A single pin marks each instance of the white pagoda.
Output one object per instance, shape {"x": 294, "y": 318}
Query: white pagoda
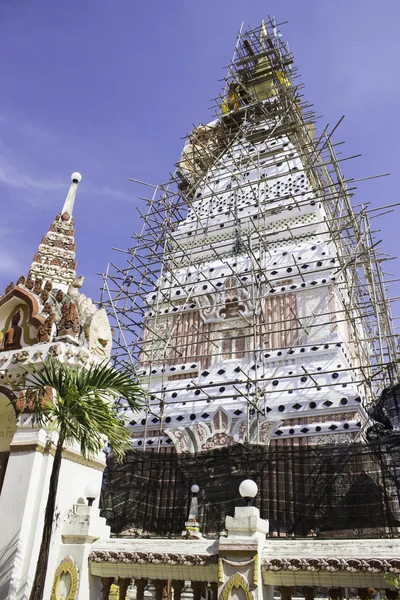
{"x": 253, "y": 304}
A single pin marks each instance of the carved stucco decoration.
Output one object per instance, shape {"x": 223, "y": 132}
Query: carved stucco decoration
{"x": 155, "y": 333}
{"x": 47, "y": 330}
{"x": 253, "y": 562}
{"x": 22, "y": 356}
{"x": 218, "y": 440}
{"x": 168, "y": 558}
{"x": 69, "y": 322}
{"x": 182, "y": 439}
{"x": 99, "y": 335}
{"x": 55, "y": 350}
{"x": 236, "y": 581}
{"x": 231, "y": 302}
{"x": 220, "y": 431}
{"x": 351, "y": 565}
{"x": 66, "y": 580}
{"x": 83, "y": 356}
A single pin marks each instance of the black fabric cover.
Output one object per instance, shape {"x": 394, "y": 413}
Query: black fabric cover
{"x": 328, "y": 489}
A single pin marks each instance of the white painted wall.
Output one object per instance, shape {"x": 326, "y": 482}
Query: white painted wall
{"x": 22, "y": 505}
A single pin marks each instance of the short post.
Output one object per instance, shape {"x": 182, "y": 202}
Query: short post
{"x": 246, "y": 537}
{"x": 192, "y": 525}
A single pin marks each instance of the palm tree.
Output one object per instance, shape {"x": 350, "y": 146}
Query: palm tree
{"x": 81, "y": 409}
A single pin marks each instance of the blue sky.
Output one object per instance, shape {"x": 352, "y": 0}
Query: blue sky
{"x": 109, "y": 88}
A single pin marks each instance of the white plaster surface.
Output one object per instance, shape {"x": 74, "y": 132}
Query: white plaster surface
{"x": 22, "y": 504}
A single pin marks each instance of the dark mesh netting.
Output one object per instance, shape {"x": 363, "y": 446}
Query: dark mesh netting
{"x": 326, "y": 489}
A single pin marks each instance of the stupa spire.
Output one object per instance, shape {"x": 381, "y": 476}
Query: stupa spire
{"x": 55, "y": 259}
{"x": 70, "y": 199}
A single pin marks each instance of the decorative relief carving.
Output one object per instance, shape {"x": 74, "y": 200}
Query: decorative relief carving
{"x": 266, "y": 430}
{"x": 330, "y": 438}
{"x": 69, "y": 322}
{"x": 83, "y": 356}
{"x": 313, "y": 302}
{"x": 26, "y": 399}
{"x": 66, "y": 580}
{"x": 253, "y": 562}
{"x": 234, "y": 299}
{"x": 236, "y": 581}
{"x": 21, "y": 280}
{"x": 69, "y": 353}
{"x": 9, "y": 288}
{"x": 181, "y": 439}
{"x": 153, "y": 558}
{"x": 47, "y": 308}
{"x": 352, "y": 565}
{"x": 20, "y": 356}
{"x": 55, "y": 350}
{"x": 98, "y": 333}
{"x": 202, "y": 431}
{"x": 37, "y": 288}
{"x": 217, "y": 440}
{"x": 46, "y": 329}
{"x": 29, "y": 283}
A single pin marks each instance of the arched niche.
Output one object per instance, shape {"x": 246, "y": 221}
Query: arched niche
{"x": 26, "y": 304}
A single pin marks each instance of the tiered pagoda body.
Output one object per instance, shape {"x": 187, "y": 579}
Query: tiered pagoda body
{"x": 253, "y": 281}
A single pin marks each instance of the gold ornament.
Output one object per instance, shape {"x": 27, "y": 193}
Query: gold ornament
{"x": 66, "y": 580}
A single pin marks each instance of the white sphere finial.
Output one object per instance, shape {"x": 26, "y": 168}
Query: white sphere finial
{"x": 91, "y": 493}
{"x": 76, "y": 177}
{"x": 248, "y": 489}
{"x": 195, "y": 489}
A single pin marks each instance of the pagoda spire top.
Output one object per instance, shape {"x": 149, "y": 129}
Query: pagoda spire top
{"x": 54, "y": 260}
{"x": 70, "y": 199}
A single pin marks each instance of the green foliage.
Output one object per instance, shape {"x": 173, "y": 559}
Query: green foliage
{"x": 81, "y": 406}
{"x": 393, "y": 580}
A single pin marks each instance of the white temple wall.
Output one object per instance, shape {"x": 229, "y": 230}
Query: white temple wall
{"x": 23, "y": 498}
{"x": 74, "y": 477}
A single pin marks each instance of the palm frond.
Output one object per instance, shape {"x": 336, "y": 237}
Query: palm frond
{"x": 82, "y": 403}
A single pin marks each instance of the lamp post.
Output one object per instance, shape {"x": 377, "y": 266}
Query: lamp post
{"x": 248, "y": 490}
{"x": 91, "y": 494}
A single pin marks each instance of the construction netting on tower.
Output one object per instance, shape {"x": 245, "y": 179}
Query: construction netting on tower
{"x": 327, "y": 490}
{"x": 252, "y": 304}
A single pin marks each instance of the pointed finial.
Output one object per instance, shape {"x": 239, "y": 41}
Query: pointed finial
{"x": 192, "y": 526}
{"x": 70, "y": 199}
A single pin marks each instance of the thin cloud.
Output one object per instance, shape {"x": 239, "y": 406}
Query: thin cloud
{"x": 9, "y": 264}
{"x": 16, "y": 178}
